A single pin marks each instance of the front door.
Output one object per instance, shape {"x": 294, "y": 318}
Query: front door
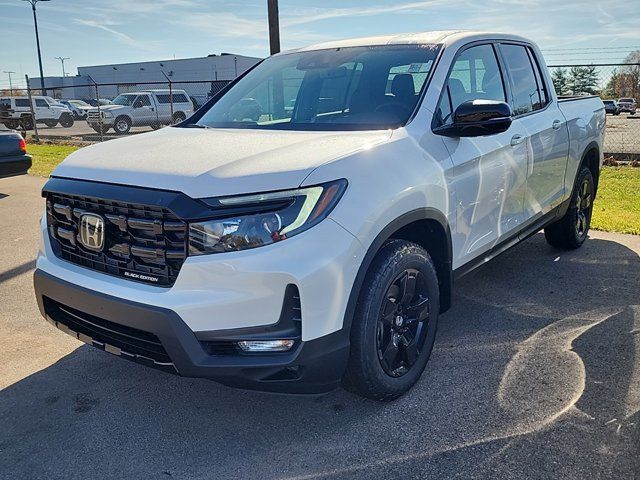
{"x": 144, "y": 112}
{"x": 489, "y": 173}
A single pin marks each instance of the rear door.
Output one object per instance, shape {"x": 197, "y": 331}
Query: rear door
{"x": 163, "y": 104}
{"x": 489, "y": 174}
{"x": 546, "y": 134}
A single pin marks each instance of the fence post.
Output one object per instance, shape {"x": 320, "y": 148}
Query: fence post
{"x": 170, "y": 95}
{"x": 99, "y": 111}
{"x": 33, "y": 113}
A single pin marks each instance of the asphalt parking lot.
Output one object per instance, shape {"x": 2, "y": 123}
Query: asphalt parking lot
{"x": 535, "y": 374}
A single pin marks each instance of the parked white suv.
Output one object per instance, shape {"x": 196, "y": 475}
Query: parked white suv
{"x": 151, "y": 108}
{"x": 318, "y": 241}
{"x": 46, "y": 109}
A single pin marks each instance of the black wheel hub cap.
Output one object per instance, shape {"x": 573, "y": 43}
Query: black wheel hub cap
{"x": 583, "y": 206}
{"x": 402, "y": 323}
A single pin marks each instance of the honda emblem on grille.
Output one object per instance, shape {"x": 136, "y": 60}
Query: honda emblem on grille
{"x": 91, "y": 230}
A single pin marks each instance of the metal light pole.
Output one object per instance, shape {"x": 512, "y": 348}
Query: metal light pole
{"x": 62, "y": 59}
{"x": 274, "y": 26}
{"x": 10, "y": 84}
{"x": 35, "y": 23}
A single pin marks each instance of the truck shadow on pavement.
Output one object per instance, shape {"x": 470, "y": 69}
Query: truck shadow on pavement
{"x": 536, "y": 374}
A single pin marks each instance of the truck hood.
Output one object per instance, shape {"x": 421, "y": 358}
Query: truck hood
{"x": 106, "y": 107}
{"x": 214, "y": 162}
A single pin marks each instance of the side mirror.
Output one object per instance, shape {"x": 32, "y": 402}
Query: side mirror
{"x": 478, "y": 118}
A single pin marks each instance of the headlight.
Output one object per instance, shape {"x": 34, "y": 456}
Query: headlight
{"x": 107, "y": 114}
{"x": 249, "y": 221}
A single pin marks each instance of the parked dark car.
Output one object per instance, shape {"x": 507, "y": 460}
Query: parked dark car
{"x": 13, "y": 154}
{"x": 612, "y": 107}
{"x": 628, "y": 105}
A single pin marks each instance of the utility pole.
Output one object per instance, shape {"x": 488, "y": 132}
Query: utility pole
{"x": 35, "y": 23}
{"x": 62, "y": 59}
{"x": 10, "y": 84}
{"x": 274, "y": 26}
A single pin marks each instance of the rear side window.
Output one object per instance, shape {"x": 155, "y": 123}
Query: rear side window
{"x": 475, "y": 76}
{"x": 177, "y": 98}
{"x": 527, "y": 97}
{"x": 22, "y": 102}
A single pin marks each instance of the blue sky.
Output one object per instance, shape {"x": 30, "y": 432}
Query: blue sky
{"x": 108, "y": 31}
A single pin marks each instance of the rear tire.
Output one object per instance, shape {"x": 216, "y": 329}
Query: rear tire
{"x": 179, "y": 117}
{"x": 12, "y": 124}
{"x": 395, "y": 322}
{"x": 571, "y": 231}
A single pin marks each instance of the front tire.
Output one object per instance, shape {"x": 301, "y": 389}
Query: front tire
{"x": 395, "y": 322}
{"x": 51, "y": 123}
{"x": 66, "y": 120}
{"x": 122, "y": 125}
{"x": 571, "y": 231}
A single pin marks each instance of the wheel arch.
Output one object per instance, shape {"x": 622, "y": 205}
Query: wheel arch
{"x": 428, "y": 228}
{"x": 591, "y": 160}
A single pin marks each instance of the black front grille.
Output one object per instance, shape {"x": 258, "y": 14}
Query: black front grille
{"x": 122, "y": 340}
{"x": 142, "y": 242}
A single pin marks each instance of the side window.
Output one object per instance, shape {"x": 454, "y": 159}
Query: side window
{"x": 542, "y": 87}
{"x": 144, "y": 100}
{"x": 22, "y": 102}
{"x": 162, "y": 98}
{"x": 475, "y": 75}
{"x": 40, "y": 102}
{"x": 526, "y": 97}
{"x": 180, "y": 98}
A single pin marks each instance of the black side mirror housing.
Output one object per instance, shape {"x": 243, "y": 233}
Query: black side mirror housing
{"x": 477, "y": 118}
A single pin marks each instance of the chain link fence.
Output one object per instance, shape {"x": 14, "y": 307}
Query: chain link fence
{"x": 97, "y": 112}
{"x": 617, "y": 84}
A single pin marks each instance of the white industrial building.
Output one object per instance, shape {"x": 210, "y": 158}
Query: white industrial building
{"x": 209, "y": 73}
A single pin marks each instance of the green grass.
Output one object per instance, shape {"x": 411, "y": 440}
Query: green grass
{"x": 617, "y": 208}
{"x": 47, "y": 157}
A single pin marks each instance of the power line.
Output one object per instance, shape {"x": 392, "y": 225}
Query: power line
{"x": 589, "y": 48}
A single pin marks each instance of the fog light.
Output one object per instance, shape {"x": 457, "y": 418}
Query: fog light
{"x": 266, "y": 345}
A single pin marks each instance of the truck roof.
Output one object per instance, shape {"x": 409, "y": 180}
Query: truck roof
{"x": 444, "y": 37}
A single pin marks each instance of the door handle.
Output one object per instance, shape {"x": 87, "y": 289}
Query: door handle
{"x": 556, "y": 124}
{"x": 516, "y": 140}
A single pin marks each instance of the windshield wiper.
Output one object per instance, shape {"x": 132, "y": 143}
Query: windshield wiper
{"x": 195, "y": 125}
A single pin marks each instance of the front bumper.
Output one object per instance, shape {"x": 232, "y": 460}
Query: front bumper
{"x": 159, "y": 338}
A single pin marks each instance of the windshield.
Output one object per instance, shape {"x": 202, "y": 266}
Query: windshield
{"x": 126, "y": 100}
{"x": 338, "y": 89}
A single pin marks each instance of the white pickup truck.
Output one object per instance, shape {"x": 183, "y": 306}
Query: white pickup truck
{"x": 318, "y": 242}
{"x": 151, "y": 108}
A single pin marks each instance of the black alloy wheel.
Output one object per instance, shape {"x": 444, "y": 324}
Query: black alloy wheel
{"x": 403, "y": 323}
{"x": 583, "y": 207}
